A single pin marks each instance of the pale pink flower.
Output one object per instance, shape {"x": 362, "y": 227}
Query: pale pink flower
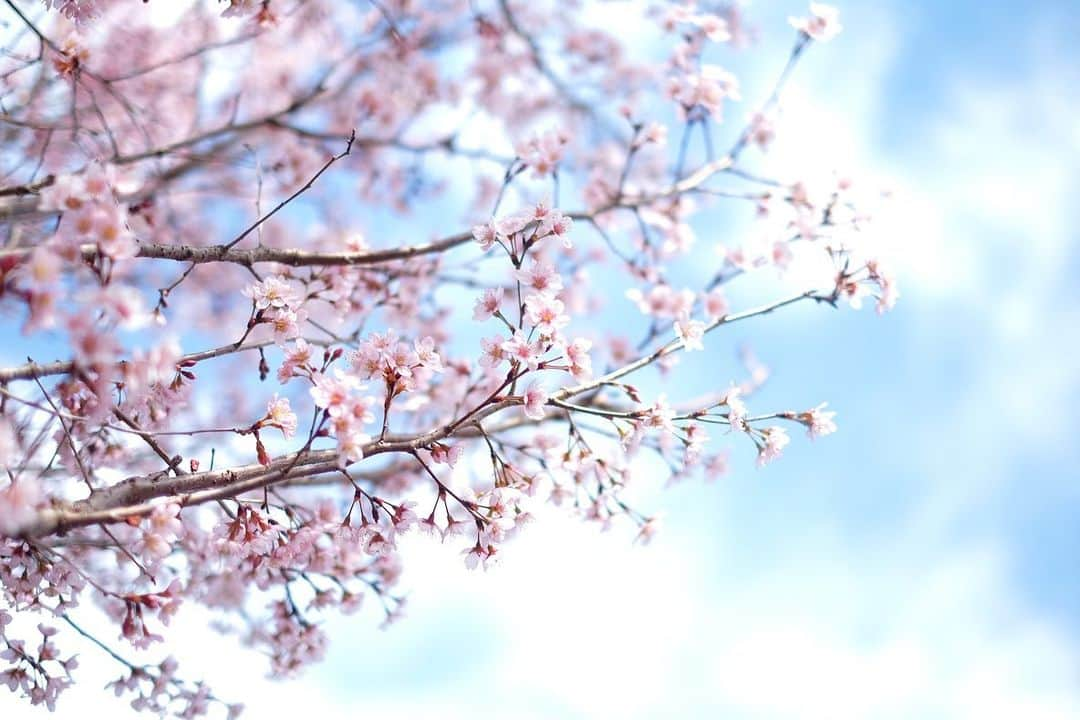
{"x": 708, "y": 88}
{"x": 534, "y": 399}
{"x": 484, "y": 235}
{"x": 156, "y": 366}
{"x": 546, "y": 313}
{"x": 889, "y": 293}
{"x": 360, "y": 409}
{"x": 474, "y": 556}
{"x": 273, "y": 292}
{"x": 18, "y": 502}
{"x": 332, "y": 393}
{"x": 366, "y": 361}
{"x": 298, "y": 356}
{"x": 655, "y": 133}
{"x": 559, "y": 225}
{"x": 98, "y": 181}
{"x": 404, "y": 518}
{"x": 351, "y": 447}
{"x": 401, "y": 360}
{"x": 162, "y": 529}
{"x": 122, "y": 303}
{"x": 68, "y": 192}
{"x": 716, "y": 305}
{"x": 519, "y": 349}
{"x": 493, "y": 352}
{"x": 818, "y": 421}
{"x": 40, "y": 270}
{"x": 736, "y": 408}
{"x": 542, "y": 153}
{"x": 660, "y": 415}
{"x": 887, "y": 298}
{"x": 851, "y": 290}
{"x": 822, "y": 25}
{"x": 511, "y": 224}
{"x": 488, "y": 304}
{"x": 577, "y": 354}
{"x": 446, "y": 454}
{"x": 426, "y": 355}
{"x": 715, "y": 466}
{"x": 714, "y": 27}
{"x": 541, "y": 211}
{"x": 774, "y": 440}
{"x": 762, "y": 130}
{"x": 662, "y": 301}
{"x": 92, "y": 346}
{"x": 285, "y": 322}
{"x": 540, "y": 276}
{"x": 690, "y": 332}
{"x": 280, "y": 415}
{"x": 72, "y": 53}
{"x": 114, "y": 239}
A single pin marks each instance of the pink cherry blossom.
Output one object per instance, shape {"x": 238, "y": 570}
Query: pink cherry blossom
{"x": 577, "y": 354}
{"x": 424, "y": 349}
{"x": 494, "y": 352}
{"x": 273, "y": 292}
{"x": 519, "y": 349}
{"x": 690, "y": 332}
{"x": 163, "y": 527}
{"x": 17, "y": 506}
{"x": 556, "y": 224}
{"x": 488, "y": 304}
{"x": 546, "y": 313}
{"x": 323, "y": 189}
{"x": 774, "y": 440}
{"x": 41, "y": 271}
{"x": 280, "y": 415}
{"x": 484, "y": 235}
{"x": 286, "y": 323}
{"x": 297, "y": 357}
{"x": 540, "y": 276}
{"x": 543, "y": 152}
{"x": 818, "y": 421}
{"x": 715, "y": 304}
{"x": 822, "y": 25}
{"x": 333, "y": 393}
{"x": 534, "y": 400}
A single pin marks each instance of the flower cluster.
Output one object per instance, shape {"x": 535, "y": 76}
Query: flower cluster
{"x": 403, "y": 367}
{"x": 78, "y": 11}
{"x": 92, "y": 214}
{"x": 687, "y": 16}
{"x": 348, "y": 410}
{"x": 706, "y": 88}
{"x": 127, "y": 181}
{"x": 543, "y": 152}
{"x": 279, "y": 304}
{"x": 518, "y": 232}
{"x": 38, "y": 673}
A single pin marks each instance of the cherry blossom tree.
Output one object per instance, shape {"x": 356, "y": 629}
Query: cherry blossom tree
{"x": 293, "y": 278}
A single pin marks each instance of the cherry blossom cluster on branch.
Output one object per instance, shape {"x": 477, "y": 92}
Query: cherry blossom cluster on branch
{"x": 294, "y": 278}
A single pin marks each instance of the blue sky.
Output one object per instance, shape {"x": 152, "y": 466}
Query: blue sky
{"x": 919, "y": 563}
